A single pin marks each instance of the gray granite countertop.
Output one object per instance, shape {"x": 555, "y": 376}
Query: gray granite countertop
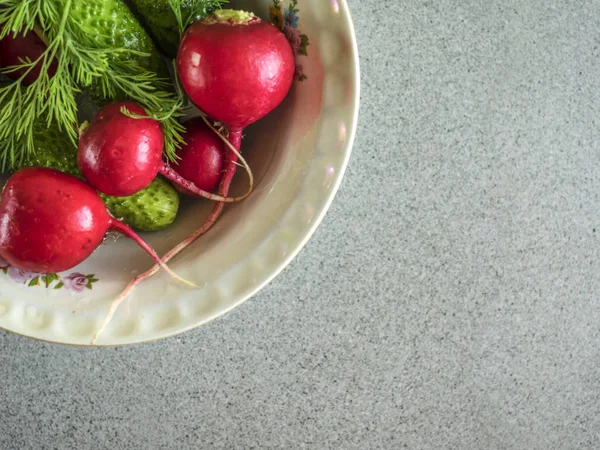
{"x": 450, "y": 300}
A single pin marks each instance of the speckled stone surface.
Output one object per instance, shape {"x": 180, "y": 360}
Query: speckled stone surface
{"x": 450, "y": 300}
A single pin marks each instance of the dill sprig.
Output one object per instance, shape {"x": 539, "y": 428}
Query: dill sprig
{"x": 186, "y": 11}
{"x": 82, "y": 62}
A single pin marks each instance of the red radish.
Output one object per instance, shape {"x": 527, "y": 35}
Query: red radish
{"x": 235, "y": 67}
{"x": 201, "y": 158}
{"x": 120, "y": 155}
{"x": 15, "y": 50}
{"x": 50, "y": 222}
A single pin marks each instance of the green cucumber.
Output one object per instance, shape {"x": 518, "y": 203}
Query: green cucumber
{"x": 117, "y": 27}
{"x": 53, "y": 149}
{"x": 160, "y": 20}
{"x": 151, "y": 209}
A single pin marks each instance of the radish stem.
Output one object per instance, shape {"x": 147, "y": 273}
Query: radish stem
{"x": 168, "y": 172}
{"x": 234, "y": 143}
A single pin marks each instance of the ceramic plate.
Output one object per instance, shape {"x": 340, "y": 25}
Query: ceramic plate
{"x": 298, "y": 153}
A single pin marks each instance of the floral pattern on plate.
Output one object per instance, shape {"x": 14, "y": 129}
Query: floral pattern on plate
{"x": 76, "y": 282}
{"x": 286, "y": 19}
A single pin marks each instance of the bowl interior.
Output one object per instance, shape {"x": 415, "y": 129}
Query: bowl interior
{"x": 298, "y": 154}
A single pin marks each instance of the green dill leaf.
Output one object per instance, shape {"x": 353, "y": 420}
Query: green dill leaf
{"x": 189, "y": 11}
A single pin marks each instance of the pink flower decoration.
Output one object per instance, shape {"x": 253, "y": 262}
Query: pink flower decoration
{"x": 293, "y": 35}
{"x": 3, "y": 263}
{"x": 21, "y": 276}
{"x": 75, "y": 282}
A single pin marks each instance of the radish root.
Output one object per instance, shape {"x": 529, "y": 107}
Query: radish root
{"x": 127, "y": 231}
{"x": 214, "y": 215}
